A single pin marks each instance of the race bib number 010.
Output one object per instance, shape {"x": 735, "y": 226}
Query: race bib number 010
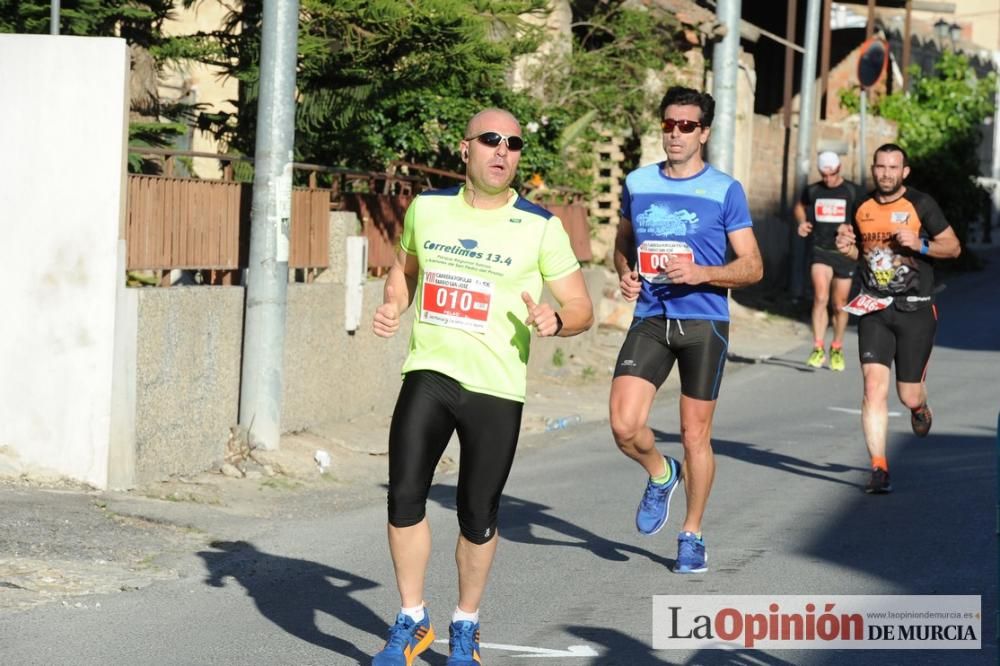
{"x": 863, "y": 304}
{"x": 456, "y": 301}
{"x": 655, "y": 256}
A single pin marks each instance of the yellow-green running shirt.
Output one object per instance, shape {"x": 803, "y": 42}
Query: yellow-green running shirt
{"x": 474, "y": 264}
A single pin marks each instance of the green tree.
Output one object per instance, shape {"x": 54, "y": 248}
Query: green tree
{"x": 939, "y": 121}
{"x": 618, "y": 56}
{"x": 382, "y": 80}
{"x": 615, "y": 73}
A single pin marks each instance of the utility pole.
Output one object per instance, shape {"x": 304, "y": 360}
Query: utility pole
{"x": 994, "y": 217}
{"x": 725, "y": 67}
{"x": 804, "y": 152}
{"x": 786, "y": 105}
{"x": 261, "y": 382}
{"x": 54, "y": 17}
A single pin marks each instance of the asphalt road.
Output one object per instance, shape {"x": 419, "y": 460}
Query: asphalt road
{"x": 573, "y": 581}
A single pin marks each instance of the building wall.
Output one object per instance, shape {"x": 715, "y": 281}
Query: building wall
{"x": 530, "y": 70}
{"x": 61, "y": 206}
{"x": 978, "y": 19}
{"x": 199, "y": 83}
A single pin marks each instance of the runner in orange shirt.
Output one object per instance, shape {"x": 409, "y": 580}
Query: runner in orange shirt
{"x": 896, "y": 231}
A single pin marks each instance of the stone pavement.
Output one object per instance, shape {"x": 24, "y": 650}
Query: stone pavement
{"x": 60, "y": 541}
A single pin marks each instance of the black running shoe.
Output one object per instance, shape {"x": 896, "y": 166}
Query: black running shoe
{"x": 920, "y": 420}
{"x": 878, "y": 484}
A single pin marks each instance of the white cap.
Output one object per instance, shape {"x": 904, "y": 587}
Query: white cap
{"x": 827, "y": 161}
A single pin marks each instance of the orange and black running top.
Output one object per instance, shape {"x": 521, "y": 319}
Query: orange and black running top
{"x": 888, "y": 268}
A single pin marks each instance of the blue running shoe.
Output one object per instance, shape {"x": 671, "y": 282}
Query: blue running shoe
{"x": 407, "y": 639}
{"x": 655, "y": 505}
{"x": 463, "y": 643}
{"x": 691, "y": 556}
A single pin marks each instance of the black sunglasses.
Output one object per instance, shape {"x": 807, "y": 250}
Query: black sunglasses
{"x": 685, "y": 126}
{"x": 494, "y": 139}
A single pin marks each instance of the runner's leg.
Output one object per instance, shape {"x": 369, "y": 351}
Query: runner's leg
{"x": 488, "y": 429}
{"x": 821, "y": 277}
{"x": 841, "y": 292}
{"x": 422, "y": 424}
{"x": 699, "y": 462}
{"x": 914, "y": 344}
{"x": 875, "y": 407}
{"x": 630, "y": 402}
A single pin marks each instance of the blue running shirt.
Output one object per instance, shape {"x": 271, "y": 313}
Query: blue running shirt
{"x": 682, "y": 219}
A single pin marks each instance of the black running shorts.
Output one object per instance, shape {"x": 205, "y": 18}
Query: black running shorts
{"x": 698, "y": 345}
{"x": 430, "y": 408}
{"x": 906, "y": 337}
{"x": 842, "y": 266}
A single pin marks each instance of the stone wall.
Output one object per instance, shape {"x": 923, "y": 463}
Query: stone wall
{"x": 188, "y": 367}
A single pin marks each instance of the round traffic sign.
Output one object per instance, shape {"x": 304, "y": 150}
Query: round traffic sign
{"x": 873, "y": 61}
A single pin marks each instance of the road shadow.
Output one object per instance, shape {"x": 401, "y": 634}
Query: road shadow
{"x": 519, "y": 516}
{"x": 938, "y": 524}
{"x": 291, "y": 592}
{"x": 754, "y": 455}
{"x": 775, "y": 300}
{"x": 969, "y": 297}
{"x": 623, "y": 650}
{"x": 955, "y": 311}
{"x": 936, "y": 533}
{"x": 771, "y": 360}
{"x": 620, "y": 649}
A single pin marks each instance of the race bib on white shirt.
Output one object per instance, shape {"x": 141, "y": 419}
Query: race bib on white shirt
{"x": 655, "y": 256}
{"x": 863, "y": 304}
{"x": 831, "y": 211}
{"x": 456, "y": 301}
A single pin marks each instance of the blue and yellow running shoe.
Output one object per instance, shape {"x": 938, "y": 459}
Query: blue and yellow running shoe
{"x": 654, "y": 507}
{"x": 463, "y": 643}
{"x": 691, "y": 555}
{"x": 407, "y": 639}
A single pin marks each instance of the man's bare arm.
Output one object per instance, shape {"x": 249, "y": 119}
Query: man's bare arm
{"x": 746, "y": 269}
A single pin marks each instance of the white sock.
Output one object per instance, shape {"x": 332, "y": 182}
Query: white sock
{"x": 416, "y": 613}
{"x": 461, "y": 616}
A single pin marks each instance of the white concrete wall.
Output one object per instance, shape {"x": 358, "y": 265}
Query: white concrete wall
{"x": 62, "y": 160}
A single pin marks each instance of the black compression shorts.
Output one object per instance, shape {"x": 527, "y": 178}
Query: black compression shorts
{"x": 906, "y": 337}
{"x": 431, "y": 407}
{"x": 698, "y": 345}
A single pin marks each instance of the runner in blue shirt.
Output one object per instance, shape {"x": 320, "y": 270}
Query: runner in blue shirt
{"x": 670, "y": 253}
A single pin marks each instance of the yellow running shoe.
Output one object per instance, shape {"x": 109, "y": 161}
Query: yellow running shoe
{"x": 837, "y": 359}
{"x": 817, "y": 358}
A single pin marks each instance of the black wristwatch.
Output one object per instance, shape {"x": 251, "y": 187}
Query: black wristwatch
{"x": 559, "y": 323}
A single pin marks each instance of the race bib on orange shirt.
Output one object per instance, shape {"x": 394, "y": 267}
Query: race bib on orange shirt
{"x": 831, "y": 210}
{"x": 456, "y": 301}
{"x": 655, "y": 256}
{"x": 863, "y": 304}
